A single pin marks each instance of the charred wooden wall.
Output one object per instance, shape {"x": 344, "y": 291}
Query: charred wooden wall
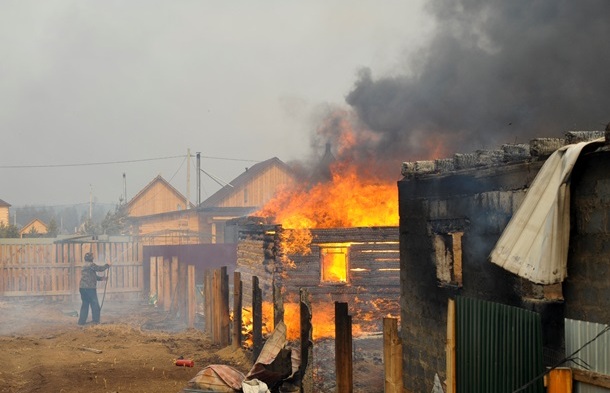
{"x": 373, "y": 285}
{"x": 372, "y": 288}
{"x": 256, "y": 257}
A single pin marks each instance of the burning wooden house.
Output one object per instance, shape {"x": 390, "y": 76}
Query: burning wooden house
{"x": 358, "y": 266}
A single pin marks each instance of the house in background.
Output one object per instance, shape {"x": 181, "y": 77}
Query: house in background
{"x": 4, "y": 212}
{"x": 160, "y": 215}
{"x": 34, "y": 228}
{"x": 243, "y": 195}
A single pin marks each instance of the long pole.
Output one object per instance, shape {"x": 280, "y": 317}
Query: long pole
{"x": 188, "y": 178}
{"x": 198, "y": 178}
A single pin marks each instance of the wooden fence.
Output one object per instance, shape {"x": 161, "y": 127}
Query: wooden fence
{"x": 53, "y": 269}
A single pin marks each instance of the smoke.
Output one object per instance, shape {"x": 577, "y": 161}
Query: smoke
{"x": 494, "y": 72}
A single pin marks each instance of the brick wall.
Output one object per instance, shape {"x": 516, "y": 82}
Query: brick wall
{"x": 587, "y": 288}
{"x": 479, "y": 203}
{"x": 477, "y": 194}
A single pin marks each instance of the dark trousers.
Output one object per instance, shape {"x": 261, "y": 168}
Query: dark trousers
{"x": 89, "y": 298}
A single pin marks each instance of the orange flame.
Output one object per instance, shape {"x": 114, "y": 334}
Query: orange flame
{"x": 349, "y": 200}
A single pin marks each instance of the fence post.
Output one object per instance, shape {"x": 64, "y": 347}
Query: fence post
{"x": 257, "y": 318}
{"x": 224, "y": 317}
{"x": 174, "y": 303}
{"x": 191, "y": 298}
{"x": 183, "y": 292}
{"x": 343, "y": 348}
{"x": 237, "y": 309}
{"x": 306, "y": 367}
{"x": 392, "y": 356}
{"x": 450, "y": 347}
{"x": 153, "y": 278}
{"x": 167, "y": 296}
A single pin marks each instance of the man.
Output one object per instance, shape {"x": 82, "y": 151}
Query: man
{"x": 88, "y": 289}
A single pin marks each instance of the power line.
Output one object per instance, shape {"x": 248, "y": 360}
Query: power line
{"x": 116, "y": 162}
{"x": 86, "y": 163}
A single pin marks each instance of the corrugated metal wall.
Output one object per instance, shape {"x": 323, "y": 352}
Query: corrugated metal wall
{"x": 498, "y": 348}
{"x": 596, "y": 355}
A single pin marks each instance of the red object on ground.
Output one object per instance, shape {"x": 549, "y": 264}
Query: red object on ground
{"x": 185, "y": 363}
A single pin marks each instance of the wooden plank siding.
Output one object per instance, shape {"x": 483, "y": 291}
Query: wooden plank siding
{"x": 259, "y": 190}
{"x": 157, "y": 197}
{"x": 54, "y": 269}
{"x": 372, "y": 289}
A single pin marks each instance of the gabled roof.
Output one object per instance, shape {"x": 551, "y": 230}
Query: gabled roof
{"x": 242, "y": 180}
{"x": 158, "y": 179}
{"x": 26, "y": 228}
{"x": 4, "y": 204}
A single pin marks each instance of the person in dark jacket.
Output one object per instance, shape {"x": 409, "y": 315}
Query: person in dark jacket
{"x": 88, "y": 289}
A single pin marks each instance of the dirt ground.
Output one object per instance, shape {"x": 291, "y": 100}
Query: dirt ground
{"x": 42, "y": 349}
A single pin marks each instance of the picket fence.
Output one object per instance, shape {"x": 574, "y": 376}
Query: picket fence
{"x": 50, "y": 268}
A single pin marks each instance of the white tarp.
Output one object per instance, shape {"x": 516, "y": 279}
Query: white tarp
{"x": 534, "y": 244}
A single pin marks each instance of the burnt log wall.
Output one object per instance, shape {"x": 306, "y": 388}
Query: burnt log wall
{"x": 256, "y": 257}
{"x": 373, "y": 285}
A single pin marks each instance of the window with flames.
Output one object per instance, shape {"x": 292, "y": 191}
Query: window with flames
{"x": 334, "y": 264}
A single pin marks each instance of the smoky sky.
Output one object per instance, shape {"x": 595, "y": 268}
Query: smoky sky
{"x": 494, "y": 72}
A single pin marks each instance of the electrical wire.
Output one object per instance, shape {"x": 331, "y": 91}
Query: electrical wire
{"x": 564, "y": 360}
{"x": 86, "y": 163}
{"x": 116, "y": 162}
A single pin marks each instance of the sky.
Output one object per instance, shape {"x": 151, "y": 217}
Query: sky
{"x": 90, "y": 91}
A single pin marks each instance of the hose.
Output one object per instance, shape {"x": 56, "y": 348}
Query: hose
{"x": 105, "y": 286}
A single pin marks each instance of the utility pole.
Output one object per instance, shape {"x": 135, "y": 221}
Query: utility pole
{"x": 90, "y": 200}
{"x": 124, "y": 188}
{"x": 188, "y": 177}
{"x": 198, "y": 179}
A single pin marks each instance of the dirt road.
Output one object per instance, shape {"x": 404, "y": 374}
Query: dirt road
{"x": 42, "y": 349}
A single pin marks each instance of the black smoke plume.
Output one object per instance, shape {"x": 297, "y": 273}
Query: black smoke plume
{"x": 494, "y": 72}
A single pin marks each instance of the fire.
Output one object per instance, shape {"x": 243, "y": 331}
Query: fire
{"x": 323, "y": 321}
{"x": 348, "y": 200}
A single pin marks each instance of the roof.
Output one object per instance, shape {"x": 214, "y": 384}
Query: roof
{"x": 4, "y": 204}
{"x": 242, "y": 180}
{"x": 26, "y": 228}
{"x": 158, "y": 179}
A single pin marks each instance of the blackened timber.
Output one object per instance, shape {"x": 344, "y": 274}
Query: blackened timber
{"x": 343, "y": 349}
{"x": 257, "y": 318}
{"x": 306, "y": 366}
{"x": 224, "y": 317}
{"x": 237, "y": 309}
{"x": 216, "y": 325}
{"x": 278, "y": 304}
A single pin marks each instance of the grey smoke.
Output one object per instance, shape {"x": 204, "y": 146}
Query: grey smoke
{"x": 494, "y": 72}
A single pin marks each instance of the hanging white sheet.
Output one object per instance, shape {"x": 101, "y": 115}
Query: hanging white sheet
{"x": 534, "y": 244}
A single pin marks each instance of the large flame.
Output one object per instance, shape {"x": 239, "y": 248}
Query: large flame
{"x": 348, "y": 200}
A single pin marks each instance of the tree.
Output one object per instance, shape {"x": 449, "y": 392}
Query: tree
{"x": 115, "y": 223}
{"x": 52, "y": 229}
{"x": 8, "y": 231}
